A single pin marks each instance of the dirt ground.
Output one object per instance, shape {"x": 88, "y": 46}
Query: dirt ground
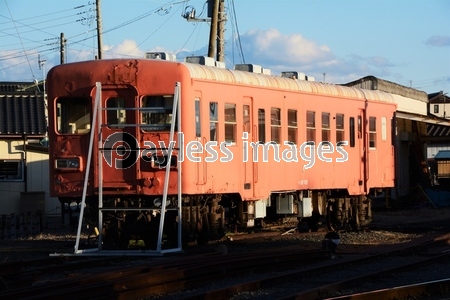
{"x": 411, "y": 216}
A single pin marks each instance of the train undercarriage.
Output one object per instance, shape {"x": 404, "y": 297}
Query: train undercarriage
{"x": 129, "y": 223}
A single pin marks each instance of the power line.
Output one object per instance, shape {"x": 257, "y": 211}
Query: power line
{"x": 31, "y": 69}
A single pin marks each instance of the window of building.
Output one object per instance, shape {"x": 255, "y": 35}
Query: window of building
{"x": 340, "y": 129}
{"x": 292, "y": 126}
{"x": 156, "y": 112}
{"x": 275, "y": 125}
{"x": 311, "y": 126}
{"x": 73, "y": 115}
{"x": 372, "y": 132}
{"x": 261, "y": 125}
{"x": 436, "y": 108}
{"x": 325, "y": 127}
{"x": 213, "y": 120}
{"x": 11, "y": 170}
{"x": 230, "y": 122}
{"x": 198, "y": 129}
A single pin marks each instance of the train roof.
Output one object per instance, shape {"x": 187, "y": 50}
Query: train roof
{"x": 198, "y": 71}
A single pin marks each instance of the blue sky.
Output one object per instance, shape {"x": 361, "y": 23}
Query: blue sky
{"x": 403, "y": 41}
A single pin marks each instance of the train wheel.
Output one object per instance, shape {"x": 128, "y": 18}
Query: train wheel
{"x": 355, "y": 223}
{"x": 331, "y": 218}
{"x": 313, "y": 223}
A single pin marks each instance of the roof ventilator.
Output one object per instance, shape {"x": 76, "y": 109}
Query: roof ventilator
{"x": 252, "y": 68}
{"x": 297, "y": 75}
{"x": 201, "y": 60}
{"x": 161, "y": 55}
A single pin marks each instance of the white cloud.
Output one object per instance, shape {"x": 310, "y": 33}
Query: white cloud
{"x": 126, "y": 48}
{"x": 272, "y": 45}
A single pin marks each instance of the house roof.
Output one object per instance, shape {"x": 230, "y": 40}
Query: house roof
{"x": 22, "y": 113}
{"x": 442, "y": 155}
{"x": 439, "y": 97}
{"x": 374, "y": 83}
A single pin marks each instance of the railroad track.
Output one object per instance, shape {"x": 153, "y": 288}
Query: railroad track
{"x": 198, "y": 276}
{"x": 325, "y": 281}
{"x": 422, "y": 290}
{"x": 163, "y": 277}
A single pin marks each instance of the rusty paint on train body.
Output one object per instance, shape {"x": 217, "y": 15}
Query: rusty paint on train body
{"x": 127, "y": 81}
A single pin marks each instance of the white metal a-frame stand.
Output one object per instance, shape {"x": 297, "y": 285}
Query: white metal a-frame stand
{"x": 176, "y": 112}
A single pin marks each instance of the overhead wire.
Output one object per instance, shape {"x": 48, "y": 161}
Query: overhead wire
{"x": 158, "y": 10}
{"x": 196, "y": 28}
{"x": 241, "y": 52}
{"x": 24, "y": 52}
{"x": 31, "y": 69}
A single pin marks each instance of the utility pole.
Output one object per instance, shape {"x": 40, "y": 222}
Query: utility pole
{"x": 213, "y": 31}
{"x": 42, "y": 67}
{"x": 216, "y": 15}
{"x": 62, "y": 48}
{"x": 99, "y": 29}
{"x": 220, "y": 31}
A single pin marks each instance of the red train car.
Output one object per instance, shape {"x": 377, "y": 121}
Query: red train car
{"x": 247, "y": 149}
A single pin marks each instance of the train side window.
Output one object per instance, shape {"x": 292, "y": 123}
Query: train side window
{"x": 372, "y": 132}
{"x": 311, "y": 126}
{"x": 292, "y": 126}
{"x": 116, "y": 113}
{"x": 383, "y": 129}
{"x": 246, "y": 118}
{"x": 340, "y": 129}
{"x": 73, "y": 115}
{"x": 261, "y": 126}
{"x": 275, "y": 125}
{"x": 198, "y": 131}
{"x": 156, "y": 111}
{"x": 325, "y": 127}
{"x": 359, "y": 127}
{"x": 213, "y": 120}
{"x": 352, "y": 131}
{"x": 230, "y": 122}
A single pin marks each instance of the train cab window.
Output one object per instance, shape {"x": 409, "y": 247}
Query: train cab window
{"x": 116, "y": 113}
{"x": 156, "y": 112}
{"x": 230, "y": 122}
{"x": 352, "y": 131}
{"x": 325, "y": 127}
{"x": 372, "y": 132}
{"x": 311, "y": 126}
{"x": 275, "y": 125}
{"x": 213, "y": 120}
{"x": 340, "y": 130}
{"x": 198, "y": 132}
{"x": 246, "y": 118}
{"x": 73, "y": 115}
{"x": 292, "y": 126}
{"x": 383, "y": 129}
{"x": 261, "y": 125}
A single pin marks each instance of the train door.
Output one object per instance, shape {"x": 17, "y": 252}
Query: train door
{"x": 200, "y": 117}
{"x": 120, "y": 138}
{"x": 248, "y": 136}
{"x": 363, "y": 148}
{"x": 261, "y": 170}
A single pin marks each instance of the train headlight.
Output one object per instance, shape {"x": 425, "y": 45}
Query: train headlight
{"x": 73, "y": 163}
